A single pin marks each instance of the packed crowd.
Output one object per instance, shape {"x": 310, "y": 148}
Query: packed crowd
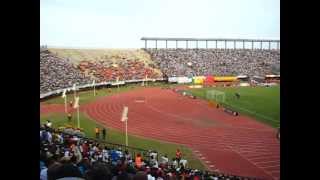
{"x": 191, "y": 62}
{"x": 124, "y": 70}
{"x": 57, "y": 73}
{"x": 66, "y": 156}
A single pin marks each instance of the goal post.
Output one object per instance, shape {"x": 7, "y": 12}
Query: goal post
{"x": 215, "y": 95}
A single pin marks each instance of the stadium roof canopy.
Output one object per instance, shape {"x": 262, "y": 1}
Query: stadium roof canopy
{"x": 206, "y": 39}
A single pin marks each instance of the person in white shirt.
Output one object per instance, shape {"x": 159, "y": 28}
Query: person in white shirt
{"x": 164, "y": 160}
{"x": 49, "y": 123}
{"x": 184, "y": 162}
{"x": 49, "y": 137}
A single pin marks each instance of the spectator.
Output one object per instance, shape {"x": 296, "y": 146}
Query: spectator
{"x": 96, "y": 130}
{"x": 104, "y": 133}
{"x": 69, "y": 117}
{"x": 178, "y": 155}
{"x": 138, "y": 161}
{"x": 99, "y": 171}
{"x": 48, "y": 124}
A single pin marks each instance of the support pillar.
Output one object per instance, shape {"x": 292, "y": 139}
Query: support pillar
{"x": 261, "y": 45}
{"x": 269, "y": 45}
{"x": 145, "y": 44}
{"x": 216, "y": 44}
{"x": 166, "y": 44}
{"x": 206, "y": 44}
{"x": 197, "y": 44}
{"x": 243, "y": 44}
{"x": 176, "y": 44}
{"x": 277, "y": 45}
{"x": 234, "y": 44}
{"x": 187, "y": 44}
{"x": 156, "y": 44}
{"x": 252, "y": 45}
{"x": 225, "y": 44}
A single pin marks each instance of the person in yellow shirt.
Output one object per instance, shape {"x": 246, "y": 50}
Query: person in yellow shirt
{"x": 96, "y": 130}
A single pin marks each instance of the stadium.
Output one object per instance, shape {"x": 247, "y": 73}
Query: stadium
{"x": 218, "y": 104}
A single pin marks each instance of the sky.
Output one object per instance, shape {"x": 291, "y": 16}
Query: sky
{"x": 122, "y": 23}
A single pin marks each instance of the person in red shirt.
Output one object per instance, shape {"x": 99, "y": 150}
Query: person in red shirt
{"x": 138, "y": 161}
{"x": 178, "y": 156}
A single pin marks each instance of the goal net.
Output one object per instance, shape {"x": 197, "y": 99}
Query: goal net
{"x": 215, "y": 95}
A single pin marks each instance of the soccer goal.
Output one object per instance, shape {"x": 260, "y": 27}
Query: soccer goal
{"x": 215, "y": 95}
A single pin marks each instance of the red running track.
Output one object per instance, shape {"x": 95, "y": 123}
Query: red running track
{"x": 231, "y": 144}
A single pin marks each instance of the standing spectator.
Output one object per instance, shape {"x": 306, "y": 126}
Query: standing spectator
{"x": 69, "y": 117}
{"x": 138, "y": 161}
{"x": 71, "y": 104}
{"x": 178, "y": 155}
{"x": 48, "y": 124}
{"x": 104, "y": 133}
{"x": 97, "y": 132}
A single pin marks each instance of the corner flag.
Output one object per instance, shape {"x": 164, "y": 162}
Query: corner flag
{"x": 74, "y": 87}
{"x": 64, "y": 93}
{"x": 124, "y": 114}
{"x": 76, "y": 103}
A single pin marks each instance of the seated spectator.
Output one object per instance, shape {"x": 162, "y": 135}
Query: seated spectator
{"x": 99, "y": 171}
{"x": 138, "y": 161}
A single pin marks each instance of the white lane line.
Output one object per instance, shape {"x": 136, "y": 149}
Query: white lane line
{"x": 270, "y": 166}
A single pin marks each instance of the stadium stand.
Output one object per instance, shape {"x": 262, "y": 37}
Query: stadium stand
{"x": 191, "y": 62}
{"x": 57, "y": 73}
{"x": 125, "y": 70}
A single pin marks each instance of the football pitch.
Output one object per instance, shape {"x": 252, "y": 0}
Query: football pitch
{"x": 262, "y": 103}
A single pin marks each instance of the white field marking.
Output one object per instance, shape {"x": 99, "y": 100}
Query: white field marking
{"x": 184, "y": 118}
{"x": 254, "y": 164}
{"x": 270, "y": 166}
{"x": 259, "y": 167}
{"x": 258, "y": 156}
{"x": 275, "y": 171}
{"x": 267, "y": 162}
{"x": 244, "y": 109}
{"x": 264, "y": 157}
{"x": 255, "y": 113}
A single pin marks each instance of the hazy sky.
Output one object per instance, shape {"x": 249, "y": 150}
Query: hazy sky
{"x": 121, "y": 23}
